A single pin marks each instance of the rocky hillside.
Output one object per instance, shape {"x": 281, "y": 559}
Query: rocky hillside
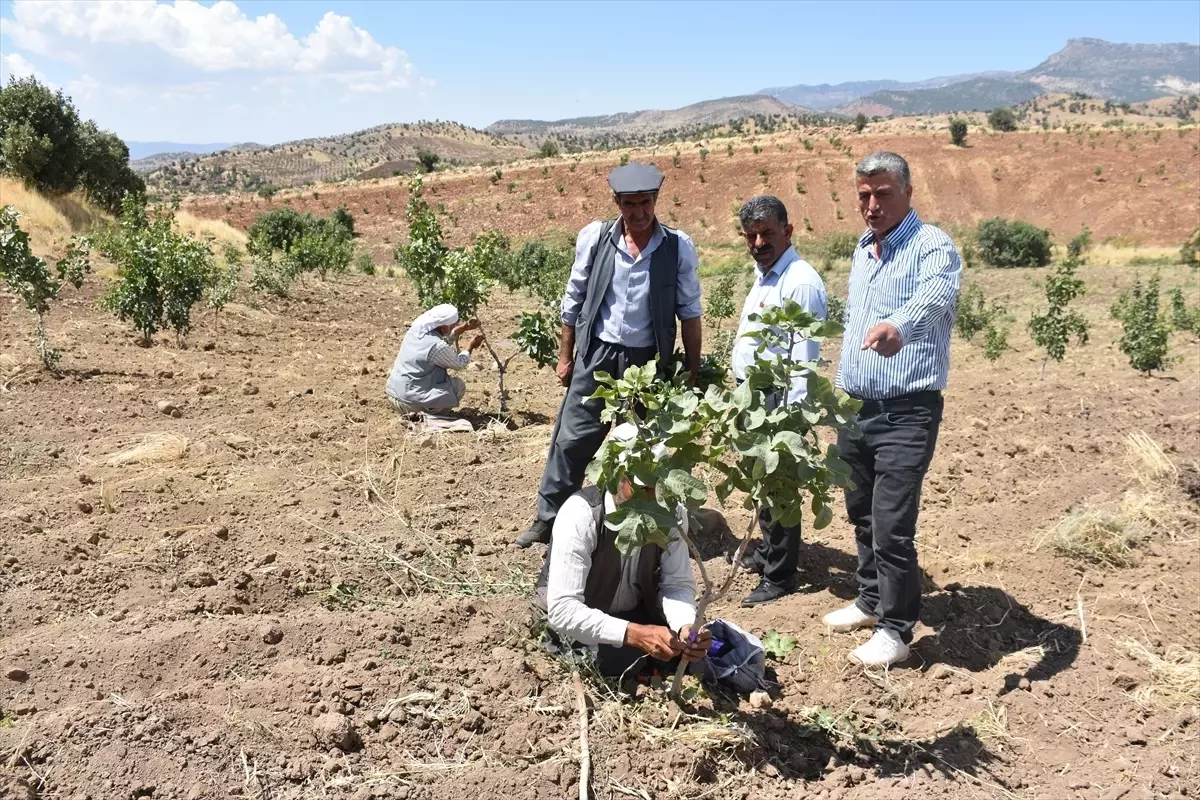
{"x": 382, "y": 151}
{"x": 650, "y": 126}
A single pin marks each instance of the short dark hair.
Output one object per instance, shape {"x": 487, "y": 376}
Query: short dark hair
{"x": 762, "y": 207}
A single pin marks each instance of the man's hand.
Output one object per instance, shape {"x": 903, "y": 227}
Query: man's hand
{"x": 475, "y": 342}
{"x": 565, "y": 368}
{"x": 883, "y": 339}
{"x": 656, "y": 641}
{"x": 471, "y": 325}
{"x": 694, "y": 651}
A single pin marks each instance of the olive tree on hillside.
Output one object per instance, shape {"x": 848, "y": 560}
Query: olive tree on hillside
{"x": 1002, "y": 119}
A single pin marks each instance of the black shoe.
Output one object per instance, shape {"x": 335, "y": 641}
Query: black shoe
{"x": 537, "y": 532}
{"x": 766, "y": 591}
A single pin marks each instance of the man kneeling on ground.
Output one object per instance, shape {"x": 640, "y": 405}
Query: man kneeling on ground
{"x": 623, "y": 608}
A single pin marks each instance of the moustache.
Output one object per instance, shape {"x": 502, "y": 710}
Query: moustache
{"x": 761, "y": 251}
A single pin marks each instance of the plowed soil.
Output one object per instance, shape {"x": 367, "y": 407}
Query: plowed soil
{"x": 282, "y": 592}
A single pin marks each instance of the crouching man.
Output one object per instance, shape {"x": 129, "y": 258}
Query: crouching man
{"x": 624, "y": 608}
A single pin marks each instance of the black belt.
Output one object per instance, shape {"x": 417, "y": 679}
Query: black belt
{"x": 905, "y": 402}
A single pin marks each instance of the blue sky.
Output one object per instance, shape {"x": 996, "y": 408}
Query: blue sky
{"x": 267, "y": 71}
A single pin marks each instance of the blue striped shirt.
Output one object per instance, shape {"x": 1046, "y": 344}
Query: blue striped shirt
{"x": 914, "y": 287}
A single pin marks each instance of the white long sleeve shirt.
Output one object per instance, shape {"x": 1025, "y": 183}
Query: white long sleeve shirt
{"x": 789, "y": 277}
{"x": 575, "y": 537}
{"x": 445, "y": 356}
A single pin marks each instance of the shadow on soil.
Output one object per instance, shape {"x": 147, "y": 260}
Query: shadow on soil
{"x": 976, "y": 627}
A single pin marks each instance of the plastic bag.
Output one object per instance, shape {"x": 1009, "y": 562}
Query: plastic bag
{"x": 736, "y": 658}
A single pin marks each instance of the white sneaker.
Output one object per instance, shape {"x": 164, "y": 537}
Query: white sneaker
{"x": 883, "y": 649}
{"x": 848, "y": 619}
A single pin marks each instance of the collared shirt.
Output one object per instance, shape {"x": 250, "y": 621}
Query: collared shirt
{"x": 913, "y": 287}
{"x": 624, "y": 316}
{"x": 793, "y": 278}
{"x": 443, "y": 355}
{"x": 575, "y": 537}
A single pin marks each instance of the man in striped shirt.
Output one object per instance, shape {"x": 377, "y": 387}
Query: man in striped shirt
{"x": 895, "y": 358}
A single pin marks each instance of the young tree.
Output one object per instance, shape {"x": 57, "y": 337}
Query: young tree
{"x": 771, "y": 454}
{"x": 161, "y": 273}
{"x": 29, "y": 278}
{"x": 1182, "y": 317}
{"x": 860, "y": 122}
{"x": 958, "y": 132}
{"x": 465, "y": 278}
{"x": 1053, "y": 329}
{"x": 719, "y": 308}
{"x": 1146, "y": 337}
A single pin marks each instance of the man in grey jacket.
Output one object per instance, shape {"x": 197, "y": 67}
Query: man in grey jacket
{"x": 632, "y": 278}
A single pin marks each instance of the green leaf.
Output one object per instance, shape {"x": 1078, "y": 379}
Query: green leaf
{"x": 778, "y": 646}
{"x": 681, "y": 484}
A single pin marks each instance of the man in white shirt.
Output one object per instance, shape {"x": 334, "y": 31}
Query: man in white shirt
{"x": 779, "y": 273}
{"x": 625, "y": 608}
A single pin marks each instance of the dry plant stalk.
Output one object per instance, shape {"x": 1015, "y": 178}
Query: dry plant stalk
{"x": 585, "y": 759}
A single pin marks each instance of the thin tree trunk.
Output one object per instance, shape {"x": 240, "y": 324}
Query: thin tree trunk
{"x": 709, "y": 596}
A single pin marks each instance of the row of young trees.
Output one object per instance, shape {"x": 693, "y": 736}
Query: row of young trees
{"x": 45, "y": 144}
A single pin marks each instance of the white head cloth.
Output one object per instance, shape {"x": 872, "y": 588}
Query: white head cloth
{"x": 436, "y": 317}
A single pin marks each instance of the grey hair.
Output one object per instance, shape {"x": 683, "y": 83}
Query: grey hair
{"x": 883, "y": 161}
{"x": 760, "y": 208}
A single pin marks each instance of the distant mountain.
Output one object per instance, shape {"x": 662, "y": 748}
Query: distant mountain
{"x": 978, "y": 94}
{"x": 139, "y": 150}
{"x": 1121, "y": 71}
{"x": 636, "y": 127}
{"x": 825, "y": 95}
{"x": 1106, "y": 70}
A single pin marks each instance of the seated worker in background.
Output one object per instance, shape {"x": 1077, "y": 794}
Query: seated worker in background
{"x": 419, "y": 382}
{"x": 625, "y": 608}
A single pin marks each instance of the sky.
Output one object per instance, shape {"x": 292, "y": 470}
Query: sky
{"x": 270, "y": 71}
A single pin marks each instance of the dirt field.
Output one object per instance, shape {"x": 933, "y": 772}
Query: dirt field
{"x": 1147, "y": 189}
{"x": 281, "y": 593}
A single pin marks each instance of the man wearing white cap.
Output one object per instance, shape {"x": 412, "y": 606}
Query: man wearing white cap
{"x": 632, "y": 278}
{"x": 419, "y": 381}
{"x": 625, "y": 608}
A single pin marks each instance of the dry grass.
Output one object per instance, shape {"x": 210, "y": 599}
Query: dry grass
{"x": 156, "y": 448}
{"x": 992, "y": 723}
{"x": 220, "y": 230}
{"x": 12, "y": 370}
{"x": 1174, "y": 677}
{"x": 1114, "y": 254}
{"x": 1108, "y": 535}
{"x": 48, "y": 220}
{"x": 1150, "y": 465}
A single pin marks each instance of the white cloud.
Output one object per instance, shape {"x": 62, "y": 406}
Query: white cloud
{"x": 184, "y": 52}
{"x": 14, "y": 65}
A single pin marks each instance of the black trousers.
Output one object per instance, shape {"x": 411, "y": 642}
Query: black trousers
{"x": 888, "y": 465}
{"x": 779, "y": 554}
{"x": 578, "y": 431}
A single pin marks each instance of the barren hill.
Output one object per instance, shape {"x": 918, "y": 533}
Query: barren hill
{"x": 644, "y": 127}
{"x": 384, "y": 150}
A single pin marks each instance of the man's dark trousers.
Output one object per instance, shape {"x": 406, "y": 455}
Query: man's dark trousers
{"x": 779, "y": 554}
{"x": 888, "y": 465}
{"x": 578, "y": 431}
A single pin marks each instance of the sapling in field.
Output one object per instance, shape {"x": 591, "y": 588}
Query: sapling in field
{"x": 1053, "y": 329}
{"x": 30, "y": 278}
{"x": 771, "y": 455}
{"x": 1146, "y": 332}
